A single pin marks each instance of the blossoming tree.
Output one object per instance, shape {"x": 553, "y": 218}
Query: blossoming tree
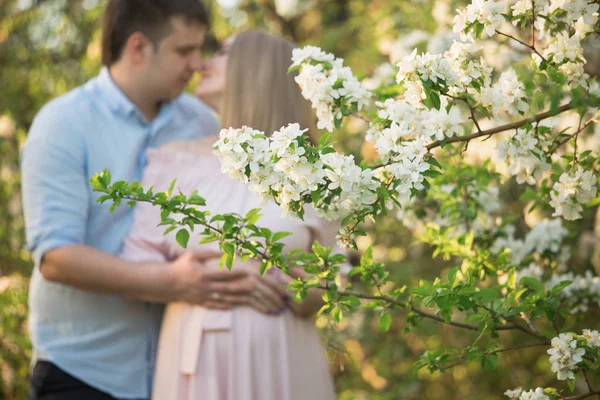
{"x": 421, "y": 118}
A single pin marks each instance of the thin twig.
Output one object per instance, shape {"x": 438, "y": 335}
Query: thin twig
{"x": 501, "y": 128}
{"x": 575, "y": 139}
{"x": 533, "y": 24}
{"x": 523, "y": 346}
{"x": 565, "y": 140}
{"x": 582, "y": 396}
{"x": 587, "y": 381}
{"x": 531, "y": 47}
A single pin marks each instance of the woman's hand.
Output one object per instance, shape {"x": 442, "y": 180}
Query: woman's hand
{"x": 263, "y": 293}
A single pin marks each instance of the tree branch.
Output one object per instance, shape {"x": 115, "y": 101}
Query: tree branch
{"x": 501, "y": 128}
{"x": 524, "y": 346}
{"x": 587, "y": 381}
{"x": 531, "y": 47}
{"x": 565, "y": 140}
{"x": 582, "y": 396}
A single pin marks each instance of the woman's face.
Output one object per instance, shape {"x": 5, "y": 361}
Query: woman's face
{"x": 212, "y": 84}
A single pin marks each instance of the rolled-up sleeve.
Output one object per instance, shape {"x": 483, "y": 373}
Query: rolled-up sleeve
{"x": 54, "y": 182}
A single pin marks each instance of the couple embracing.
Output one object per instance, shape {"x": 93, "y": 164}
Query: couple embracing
{"x": 98, "y": 320}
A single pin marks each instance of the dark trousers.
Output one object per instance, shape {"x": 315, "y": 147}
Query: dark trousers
{"x": 48, "y": 382}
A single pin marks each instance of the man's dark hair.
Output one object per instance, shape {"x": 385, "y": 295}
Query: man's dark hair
{"x": 122, "y": 18}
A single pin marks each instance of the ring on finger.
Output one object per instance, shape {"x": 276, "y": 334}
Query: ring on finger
{"x": 215, "y": 296}
{"x": 257, "y": 294}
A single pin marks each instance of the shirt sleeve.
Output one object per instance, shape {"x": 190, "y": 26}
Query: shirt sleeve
{"x": 54, "y": 183}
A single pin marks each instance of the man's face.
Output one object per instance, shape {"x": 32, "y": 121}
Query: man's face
{"x": 178, "y": 56}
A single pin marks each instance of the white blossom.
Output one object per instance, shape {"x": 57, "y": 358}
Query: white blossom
{"x": 518, "y": 154}
{"x": 592, "y": 337}
{"x": 571, "y": 191}
{"x": 514, "y": 393}
{"x": 325, "y": 81}
{"x": 578, "y": 296}
{"x": 563, "y": 47}
{"x": 486, "y": 12}
{"x": 537, "y": 394}
{"x": 565, "y": 355}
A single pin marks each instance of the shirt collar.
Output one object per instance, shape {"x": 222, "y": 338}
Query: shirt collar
{"x": 117, "y": 101}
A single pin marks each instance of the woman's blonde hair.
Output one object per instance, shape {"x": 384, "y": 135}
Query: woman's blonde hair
{"x": 259, "y": 92}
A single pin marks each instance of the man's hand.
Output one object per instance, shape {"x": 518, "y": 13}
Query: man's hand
{"x": 200, "y": 281}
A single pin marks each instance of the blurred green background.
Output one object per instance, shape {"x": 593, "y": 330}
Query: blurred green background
{"x": 48, "y": 47}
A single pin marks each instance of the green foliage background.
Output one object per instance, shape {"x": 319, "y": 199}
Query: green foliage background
{"x": 47, "y": 47}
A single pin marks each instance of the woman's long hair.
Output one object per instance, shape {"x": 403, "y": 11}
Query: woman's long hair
{"x": 259, "y": 92}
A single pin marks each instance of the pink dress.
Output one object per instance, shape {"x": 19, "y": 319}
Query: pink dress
{"x": 239, "y": 354}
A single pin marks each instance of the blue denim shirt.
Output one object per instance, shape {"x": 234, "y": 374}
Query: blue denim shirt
{"x": 108, "y": 342}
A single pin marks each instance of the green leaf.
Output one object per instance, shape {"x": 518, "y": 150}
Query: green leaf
{"x": 170, "y": 191}
{"x": 435, "y": 100}
{"x": 489, "y": 362}
{"x": 533, "y": 283}
{"x": 315, "y": 195}
{"x": 528, "y": 195}
{"x": 182, "y": 237}
{"x": 280, "y": 235}
{"x": 452, "y": 275}
{"x": 323, "y": 140}
{"x": 367, "y": 258}
{"x": 337, "y": 122}
{"x": 571, "y": 383}
{"x": 385, "y": 321}
{"x": 560, "y": 286}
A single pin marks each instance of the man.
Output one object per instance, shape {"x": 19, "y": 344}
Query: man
{"x": 93, "y": 317}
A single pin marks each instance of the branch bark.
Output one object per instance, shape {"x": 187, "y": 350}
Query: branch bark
{"x": 501, "y": 128}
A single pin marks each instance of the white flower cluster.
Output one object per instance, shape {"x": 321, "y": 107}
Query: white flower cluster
{"x": 565, "y": 355}
{"x": 237, "y": 148}
{"x": 523, "y": 7}
{"x": 457, "y": 71}
{"x": 523, "y": 157}
{"x": 580, "y": 13}
{"x": 571, "y": 191}
{"x": 408, "y": 170}
{"x": 415, "y": 69}
{"x": 579, "y": 295}
{"x": 533, "y": 270}
{"x": 467, "y": 68}
{"x": 545, "y": 236}
{"x": 507, "y": 95}
{"x": 485, "y": 12}
{"x": 404, "y": 122}
{"x": 277, "y": 168}
{"x": 591, "y": 337}
{"x": 520, "y": 394}
{"x": 327, "y": 84}
{"x": 563, "y": 47}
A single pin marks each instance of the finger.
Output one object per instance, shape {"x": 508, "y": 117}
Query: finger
{"x": 225, "y": 275}
{"x": 202, "y": 256}
{"x": 274, "y": 284}
{"x": 238, "y": 287}
{"x": 235, "y": 300}
{"x": 213, "y": 305}
{"x": 260, "y": 306}
{"x": 268, "y": 296}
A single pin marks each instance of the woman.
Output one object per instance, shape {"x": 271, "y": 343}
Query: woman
{"x": 239, "y": 354}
